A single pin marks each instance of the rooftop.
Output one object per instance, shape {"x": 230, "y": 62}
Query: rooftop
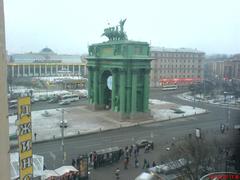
{"x": 46, "y": 54}
{"x": 163, "y": 49}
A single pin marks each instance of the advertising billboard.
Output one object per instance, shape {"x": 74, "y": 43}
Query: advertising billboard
{"x": 25, "y": 138}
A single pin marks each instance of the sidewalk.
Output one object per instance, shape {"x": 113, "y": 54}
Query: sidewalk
{"x": 107, "y": 172}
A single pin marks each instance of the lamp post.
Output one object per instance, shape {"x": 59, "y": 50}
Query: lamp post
{"x": 62, "y": 126}
{"x": 194, "y": 97}
{"x": 229, "y": 116}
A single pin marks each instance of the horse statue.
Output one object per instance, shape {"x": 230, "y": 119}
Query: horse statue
{"x": 113, "y": 33}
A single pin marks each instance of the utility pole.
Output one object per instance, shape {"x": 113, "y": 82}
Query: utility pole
{"x": 229, "y": 116}
{"x": 4, "y": 125}
{"x": 204, "y": 88}
{"x": 62, "y": 126}
{"x": 194, "y": 98}
{"x": 62, "y": 133}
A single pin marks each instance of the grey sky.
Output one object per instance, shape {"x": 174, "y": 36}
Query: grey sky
{"x": 68, "y": 26}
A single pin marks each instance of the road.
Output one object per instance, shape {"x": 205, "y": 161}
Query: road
{"x": 160, "y": 132}
{"x": 41, "y": 105}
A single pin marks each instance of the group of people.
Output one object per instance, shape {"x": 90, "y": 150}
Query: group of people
{"x": 133, "y": 152}
{"x": 129, "y": 152}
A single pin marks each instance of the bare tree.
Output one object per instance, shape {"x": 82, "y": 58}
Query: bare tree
{"x": 202, "y": 155}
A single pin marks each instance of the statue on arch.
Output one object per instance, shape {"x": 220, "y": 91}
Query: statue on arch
{"x": 114, "y": 34}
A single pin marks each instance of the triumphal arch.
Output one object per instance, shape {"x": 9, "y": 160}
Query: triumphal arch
{"x": 118, "y": 74}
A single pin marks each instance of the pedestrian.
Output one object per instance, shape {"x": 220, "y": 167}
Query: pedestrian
{"x": 149, "y": 147}
{"x": 136, "y": 163}
{"x": 78, "y": 162}
{"x": 117, "y": 173}
{"x": 127, "y": 158}
{"x": 130, "y": 151}
{"x": 35, "y": 136}
{"x": 144, "y": 163}
{"x": 91, "y": 157}
{"x": 154, "y": 164}
{"x": 73, "y": 162}
{"x": 146, "y": 149}
{"x": 148, "y": 165}
{"x": 125, "y": 163}
{"x": 137, "y": 150}
{"x": 127, "y": 153}
{"x": 135, "y": 153}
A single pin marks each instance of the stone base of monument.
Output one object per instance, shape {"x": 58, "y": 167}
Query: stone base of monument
{"x": 139, "y": 116}
{"x": 96, "y": 107}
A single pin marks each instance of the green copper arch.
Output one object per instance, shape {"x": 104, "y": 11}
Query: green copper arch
{"x": 128, "y": 62}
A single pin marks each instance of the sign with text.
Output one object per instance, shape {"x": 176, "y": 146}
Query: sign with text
{"x": 25, "y": 138}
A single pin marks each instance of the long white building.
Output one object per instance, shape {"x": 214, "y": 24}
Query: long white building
{"x": 46, "y": 63}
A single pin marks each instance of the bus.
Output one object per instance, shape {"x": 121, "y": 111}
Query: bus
{"x": 167, "y": 87}
{"x": 70, "y": 98}
{"x": 12, "y": 104}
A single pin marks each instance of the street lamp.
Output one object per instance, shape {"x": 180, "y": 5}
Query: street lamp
{"x": 62, "y": 126}
{"x": 229, "y": 116}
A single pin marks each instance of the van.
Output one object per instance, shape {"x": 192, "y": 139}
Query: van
{"x": 146, "y": 176}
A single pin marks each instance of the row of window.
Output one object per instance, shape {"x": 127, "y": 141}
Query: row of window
{"x": 178, "y": 66}
{"x": 177, "y": 71}
{"x": 20, "y": 70}
{"x": 171, "y": 54}
{"x": 175, "y": 76}
{"x": 177, "y": 61}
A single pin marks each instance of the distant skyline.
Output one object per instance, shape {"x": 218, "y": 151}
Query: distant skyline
{"x": 69, "y": 26}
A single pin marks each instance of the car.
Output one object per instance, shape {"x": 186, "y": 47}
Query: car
{"x": 13, "y": 136}
{"x": 14, "y": 106}
{"x": 143, "y": 142}
{"x": 63, "y": 123}
{"x": 54, "y": 100}
{"x": 64, "y": 103}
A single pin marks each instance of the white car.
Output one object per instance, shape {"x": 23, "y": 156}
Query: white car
{"x": 63, "y": 123}
{"x": 64, "y": 103}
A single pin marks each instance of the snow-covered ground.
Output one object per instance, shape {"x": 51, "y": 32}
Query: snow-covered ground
{"x": 162, "y": 110}
{"x": 37, "y": 93}
{"x": 81, "y": 120}
{"x": 218, "y": 100}
{"x": 59, "y": 78}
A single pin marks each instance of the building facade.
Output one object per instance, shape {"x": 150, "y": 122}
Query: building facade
{"x": 228, "y": 68}
{"x": 4, "y": 124}
{"x": 46, "y": 63}
{"x": 179, "y": 65}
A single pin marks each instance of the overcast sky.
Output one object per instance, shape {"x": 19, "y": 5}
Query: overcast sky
{"x": 69, "y": 26}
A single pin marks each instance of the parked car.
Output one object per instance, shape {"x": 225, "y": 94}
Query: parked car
{"x": 54, "y": 100}
{"x": 13, "y": 136}
{"x": 64, "y": 103}
{"x": 143, "y": 142}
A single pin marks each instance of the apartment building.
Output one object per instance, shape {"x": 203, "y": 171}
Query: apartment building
{"x": 182, "y": 66}
{"x": 228, "y": 68}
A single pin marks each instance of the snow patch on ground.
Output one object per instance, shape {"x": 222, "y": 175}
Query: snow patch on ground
{"x": 82, "y": 120}
{"x": 219, "y": 100}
